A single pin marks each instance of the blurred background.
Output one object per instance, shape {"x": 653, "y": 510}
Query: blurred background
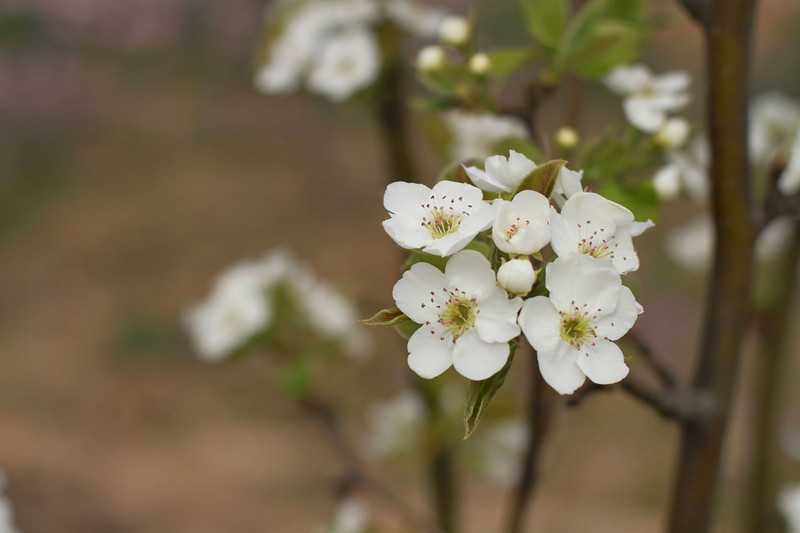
{"x": 136, "y": 162}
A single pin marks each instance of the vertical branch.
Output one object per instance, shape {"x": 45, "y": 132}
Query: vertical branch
{"x": 775, "y": 334}
{"x": 728, "y": 33}
{"x": 539, "y": 414}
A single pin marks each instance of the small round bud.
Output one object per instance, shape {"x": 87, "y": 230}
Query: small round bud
{"x": 480, "y": 64}
{"x": 673, "y": 133}
{"x": 454, "y": 31}
{"x": 517, "y": 276}
{"x": 667, "y": 183}
{"x": 567, "y": 137}
{"x": 431, "y": 58}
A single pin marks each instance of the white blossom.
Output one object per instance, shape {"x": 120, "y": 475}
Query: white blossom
{"x": 501, "y": 174}
{"x": 685, "y": 170}
{"x": 431, "y": 58}
{"x": 475, "y": 135}
{"x": 574, "y": 328}
{"x": 516, "y": 276}
{"x": 395, "y": 424}
{"x": 467, "y": 320}
{"x": 648, "y": 98}
{"x": 415, "y": 17}
{"x": 455, "y": 30}
{"x": 593, "y": 226}
{"x": 351, "y": 516}
{"x": 673, "y": 134}
{"x": 6, "y": 510}
{"x": 568, "y": 182}
{"x": 480, "y": 64}
{"x": 501, "y": 447}
{"x": 441, "y": 221}
{"x": 789, "y": 503}
{"x": 522, "y": 226}
{"x": 774, "y": 123}
{"x": 349, "y": 62}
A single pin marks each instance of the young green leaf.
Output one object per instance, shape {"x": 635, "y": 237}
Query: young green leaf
{"x": 543, "y": 178}
{"x": 481, "y": 393}
{"x": 546, "y": 19}
{"x": 507, "y": 61}
{"x": 385, "y": 317}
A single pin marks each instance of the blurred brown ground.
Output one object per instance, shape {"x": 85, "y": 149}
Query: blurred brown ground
{"x": 107, "y": 424}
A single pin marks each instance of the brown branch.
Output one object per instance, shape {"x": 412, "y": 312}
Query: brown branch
{"x": 356, "y": 473}
{"x": 699, "y": 10}
{"x": 728, "y": 35}
{"x": 664, "y": 374}
{"x": 540, "y": 407}
{"x": 681, "y": 404}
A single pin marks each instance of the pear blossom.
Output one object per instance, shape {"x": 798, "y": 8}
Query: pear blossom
{"x": 574, "y": 328}
{"x": 567, "y": 183}
{"x": 466, "y": 319}
{"x": 502, "y": 446}
{"x": 455, "y": 30}
{"x": 351, "y": 516}
{"x": 6, "y": 510}
{"x": 475, "y": 135}
{"x": 774, "y": 123}
{"x": 501, "y": 174}
{"x": 685, "y": 170}
{"x": 431, "y": 58}
{"x": 522, "y": 226}
{"x": 516, "y": 276}
{"x": 593, "y": 226}
{"x": 349, "y": 62}
{"x": 789, "y": 503}
{"x": 396, "y": 424}
{"x": 648, "y": 98}
{"x": 441, "y": 221}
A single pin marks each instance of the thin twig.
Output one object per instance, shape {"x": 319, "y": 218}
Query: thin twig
{"x": 682, "y": 404}
{"x": 356, "y": 473}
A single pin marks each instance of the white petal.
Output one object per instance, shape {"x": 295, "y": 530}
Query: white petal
{"x": 637, "y": 228}
{"x": 413, "y": 293}
{"x": 789, "y": 182}
{"x": 484, "y": 180}
{"x": 406, "y": 198}
{"x": 559, "y": 369}
{"x": 453, "y": 189}
{"x": 623, "y": 318}
{"x": 643, "y": 114}
{"x": 591, "y": 208}
{"x": 406, "y": 232}
{"x": 449, "y": 245}
{"x": 471, "y": 272}
{"x": 568, "y": 183}
{"x": 477, "y": 360}
{"x": 628, "y": 79}
{"x": 429, "y": 355}
{"x": 625, "y": 258}
{"x": 519, "y": 165}
{"x": 667, "y": 182}
{"x": 541, "y": 324}
{"x": 497, "y": 317}
{"x": 564, "y": 236}
{"x": 672, "y": 82}
{"x": 603, "y": 362}
{"x": 587, "y": 284}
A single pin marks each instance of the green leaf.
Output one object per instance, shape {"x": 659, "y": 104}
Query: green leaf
{"x": 612, "y": 43}
{"x": 385, "y": 317}
{"x": 481, "y": 393}
{"x": 507, "y": 61}
{"x": 546, "y": 19}
{"x": 641, "y": 199}
{"x": 417, "y": 256}
{"x": 296, "y": 378}
{"x": 543, "y": 178}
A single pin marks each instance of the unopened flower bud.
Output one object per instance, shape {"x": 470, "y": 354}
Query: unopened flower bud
{"x": 517, "y": 276}
{"x": 455, "y": 31}
{"x": 567, "y": 137}
{"x": 431, "y": 58}
{"x": 673, "y": 133}
{"x": 480, "y": 64}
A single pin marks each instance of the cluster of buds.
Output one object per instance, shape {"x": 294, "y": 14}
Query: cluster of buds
{"x": 454, "y": 50}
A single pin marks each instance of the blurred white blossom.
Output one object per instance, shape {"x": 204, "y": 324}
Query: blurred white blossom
{"x": 352, "y": 516}
{"x": 789, "y": 503}
{"x": 501, "y": 448}
{"x": 475, "y": 135}
{"x": 395, "y": 424}
{"x": 686, "y": 170}
{"x": 775, "y": 133}
{"x": 455, "y": 30}
{"x": 415, "y": 17}
{"x": 6, "y": 510}
{"x": 350, "y": 61}
{"x": 431, "y": 58}
{"x": 648, "y": 98}
{"x": 673, "y": 134}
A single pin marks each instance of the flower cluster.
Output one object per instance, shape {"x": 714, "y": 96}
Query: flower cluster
{"x": 331, "y": 46}
{"x": 241, "y": 307}
{"x": 491, "y": 233}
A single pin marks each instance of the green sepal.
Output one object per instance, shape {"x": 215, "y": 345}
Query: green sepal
{"x": 482, "y": 392}
{"x": 543, "y": 178}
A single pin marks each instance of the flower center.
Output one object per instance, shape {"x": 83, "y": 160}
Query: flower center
{"x": 515, "y": 227}
{"x": 593, "y": 250}
{"x": 441, "y": 222}
{"x": 576, "y": 328}
{"x": 458, "y": 315}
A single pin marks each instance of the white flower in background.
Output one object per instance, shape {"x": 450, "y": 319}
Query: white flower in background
{"x": 416, "y": 18}
{"x": 455, "y": 30}
{"x": 475, "y": 135}
{"x": 349, "y": 62}
{"x": 568, "y": 183}
{"x": 431, "y": 58}
{"x": 480, "y": 64}
{"x": 522, "y": 226}
{"x": 648, "y": 98}
{"x": 6, "y": 511}
{"x": 593, "y": 226}
{"x": 395, "y": 424}
{"x": 351, "y": 516}
{"x": 467, "y": 320}
{"x": 516, "y": 276}
{"x": 774, "y": 123}
{"x": 673, "y": 134}
{"x": 789, "y": 182}
{"x": 501, "y": 449}
{"x": 441, "y": 221}
{"x": 572, "y": 330}
{"x": 691, "y": 245}
{"x": 567, "y": 138}
{"x": 789, "y": 503}
{"x": 685, "y": 170}
{"x": 238, "y": 308}
{"x": 501, "y": 174}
